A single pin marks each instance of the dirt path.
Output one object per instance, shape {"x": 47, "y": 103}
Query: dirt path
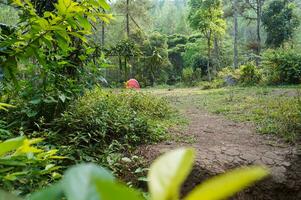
{"x": 222, "y": 144}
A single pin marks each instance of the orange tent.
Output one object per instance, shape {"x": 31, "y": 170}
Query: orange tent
{"x": 132, "y": 84}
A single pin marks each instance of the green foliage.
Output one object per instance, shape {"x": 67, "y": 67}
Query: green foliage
{"x": 171, "y": 17}
{"x": 280, "y": 22}
{"x": 246, "y": 75}
{"x": 125, "y": 50}
{"x": 25, "y": 168}
{"x": 4, "y": 106}
{"x": 194, "y": 56}
{"x": 4, "y": 132}
{"x": 190, "y": 76}
{"x": 206, "y": 16}
{"x": 54, "y": 31}
{"x": 154, "y": 67}
{"x": 8, "y": 15}
{"x": 101, "y": 118}
{"x": 54, "y": 57}
{"x": 230, "y": 75}
{"x": 88, "y": 181}
{"x": 165, "y": 180}
{"x": 249, "y": 74}
{"x": 282, "y": 66}
{"x": 176, "y": 48}
{"x": 187, "y": 75}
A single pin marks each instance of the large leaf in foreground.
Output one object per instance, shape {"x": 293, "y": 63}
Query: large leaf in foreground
{"x": 79, "y": 181}
{"x": 7, "y": 196}
{"x": 54, "y": 192}
{"x": 10, "y": 145}
{"x": 168, "y": 172}
{"x": 116, "y": 191}
{"x": 224, "y": 186}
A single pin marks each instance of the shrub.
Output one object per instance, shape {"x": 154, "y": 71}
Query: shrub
{"x": 190, "y": 76}
{"x": 282, "y": 66}
{"x": 4, "y": 132}
{"x": 229, "y": 76}
{"x": 216, "y": 83}
{"x": 25, "y": 168}
{"x": 187, "y": 76}
{"x": 100, "y": 117}
{"x": 249, "y": 74}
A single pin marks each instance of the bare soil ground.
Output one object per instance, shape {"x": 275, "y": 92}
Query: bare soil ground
{"x": 222, "y": 144}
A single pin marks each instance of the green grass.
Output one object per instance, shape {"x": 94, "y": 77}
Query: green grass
{"x": 274, "y": 110}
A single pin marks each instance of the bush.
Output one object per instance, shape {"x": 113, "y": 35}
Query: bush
{"x": 25, "y": 168}
{"x": 190, "y": 76}
{"x": 282, "y": 66}
{"x": 229, "y": 76}
{"x": 206, "y": 85}
{"x": 100, "y": 117}
{"x": 187, "y": 76}
{"x": 249, "y": 74}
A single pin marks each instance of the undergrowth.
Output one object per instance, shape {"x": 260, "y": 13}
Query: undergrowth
{"x": 104, "y": 126}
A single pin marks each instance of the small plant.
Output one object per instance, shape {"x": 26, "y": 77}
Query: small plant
{"x": 4, "y": 106}
{"x": 166, "y": 175}
{"x": 282, "y": 66}
{"x": 101, "y": 118}
{"x": 187, "y": 76}
{"x": 24, "y": 167}
{"x": 190, "y": 76}
{"x": 249, "y": 74}
{"x": 4, "y": 132}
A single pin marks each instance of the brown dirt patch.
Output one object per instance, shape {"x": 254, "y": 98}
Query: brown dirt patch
{"x": 222, "y": 144}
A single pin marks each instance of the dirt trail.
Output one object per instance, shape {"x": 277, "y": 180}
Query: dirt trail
{"x": 222, "y": 144}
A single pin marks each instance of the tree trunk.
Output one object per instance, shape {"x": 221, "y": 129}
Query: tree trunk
{"x": 103, "y": 34}
{"x": 120, "y": 68}
{"x": 125, "y": 69}
{"x": 235, "y": 47}
{"x": 152, "y": 76}
{"x": 209, "y": 54}
{"x": 258, "y": 24}
{"x": 217, "y": 54}
{"x": 127, "y": 19}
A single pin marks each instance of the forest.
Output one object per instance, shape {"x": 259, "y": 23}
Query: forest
{"x": 150, "y": 99}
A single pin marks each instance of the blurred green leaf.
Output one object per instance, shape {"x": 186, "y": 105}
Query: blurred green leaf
{"x": 112, "y": 191}
{"x": 79, "y": 181}
{"x": 168, "y": 172}
{"x": 7, "y": 196}
{"x": 10, "y": 145}
{"x": 54, "y": 192}
{"x": 224, "y": 186}
{"x": 104, "y": 4}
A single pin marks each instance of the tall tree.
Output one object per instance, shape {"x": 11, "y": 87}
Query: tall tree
{"x": 134, "y": 12}
{"x": 257, "y": 5}
{"x": 207, "y": 17}
{"x": 280, "y": 22}
{"x": 170, "y": 16}
{"x": 235, "y": 33}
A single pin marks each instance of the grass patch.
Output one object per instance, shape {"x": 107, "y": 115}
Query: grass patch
{"x": 274, "y": 110}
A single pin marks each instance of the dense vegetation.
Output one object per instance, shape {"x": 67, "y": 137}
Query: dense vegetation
{"x": 63, "y": 64}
